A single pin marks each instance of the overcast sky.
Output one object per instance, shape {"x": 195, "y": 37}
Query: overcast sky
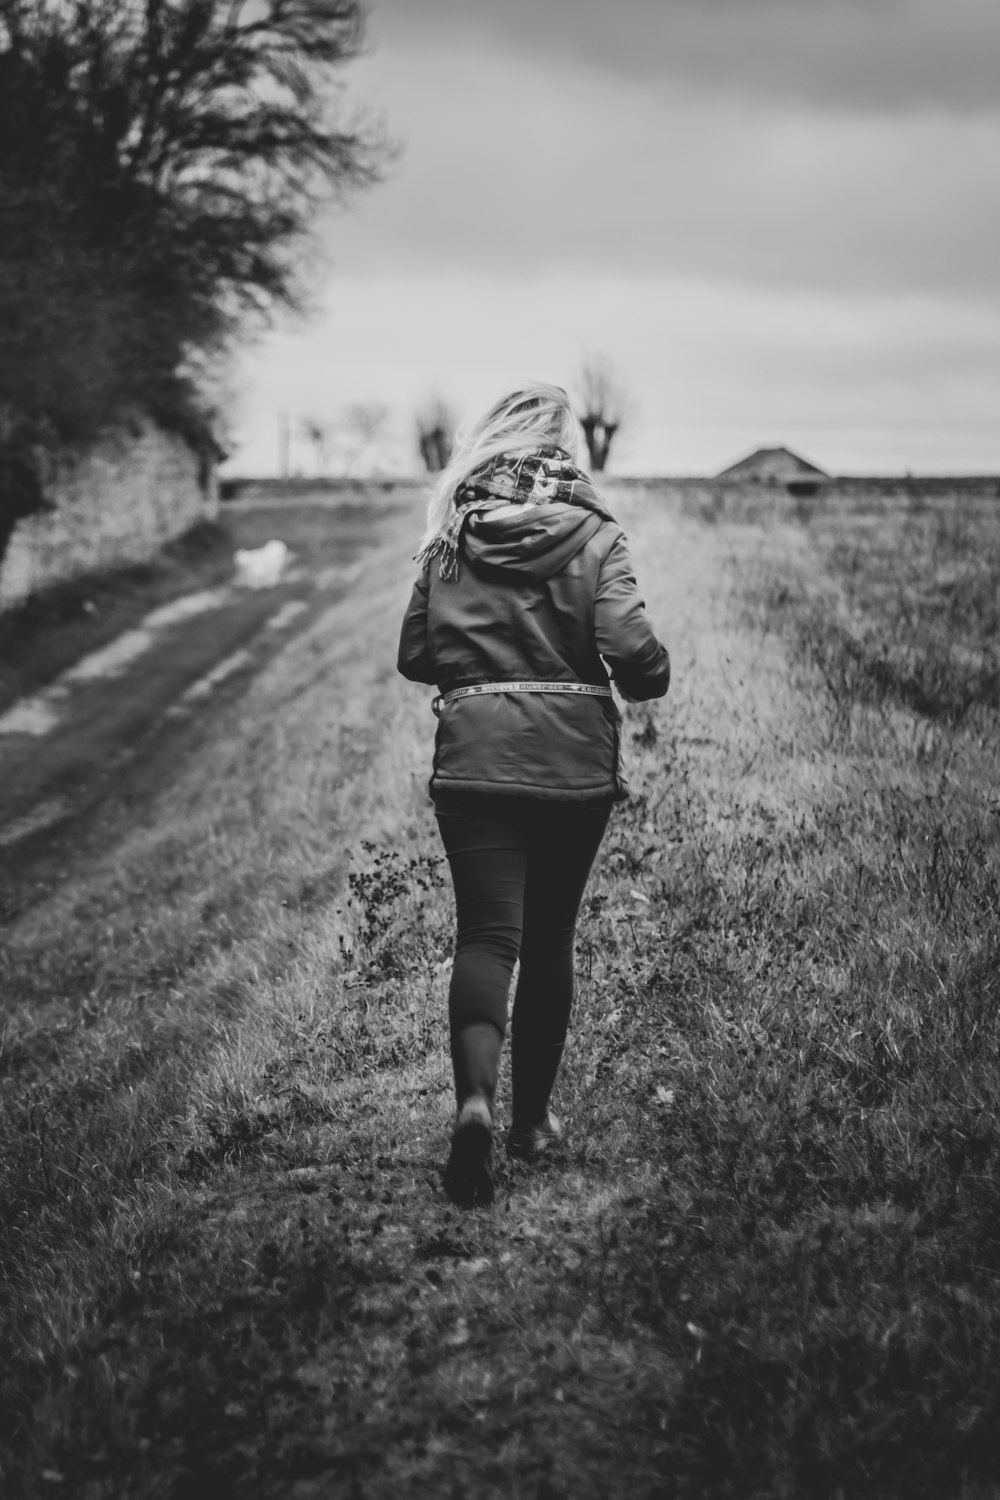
{"x": 779, "y": 219}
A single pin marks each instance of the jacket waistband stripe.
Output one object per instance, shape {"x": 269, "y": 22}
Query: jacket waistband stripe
{"x": 590, "y": 688}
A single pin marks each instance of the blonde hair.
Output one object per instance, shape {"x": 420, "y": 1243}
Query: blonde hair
{"x": 534, "y": 416}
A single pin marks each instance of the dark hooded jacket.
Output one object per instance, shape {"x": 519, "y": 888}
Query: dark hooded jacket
{"x": 543, "y": 593}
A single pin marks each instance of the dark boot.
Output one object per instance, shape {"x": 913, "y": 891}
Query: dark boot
{"x": 533, "y": 1069}
{"x": 468, "y": 1177}
{"x": 529, "y": 1144}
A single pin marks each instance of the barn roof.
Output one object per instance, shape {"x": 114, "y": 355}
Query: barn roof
{"x": 777, "y": 462}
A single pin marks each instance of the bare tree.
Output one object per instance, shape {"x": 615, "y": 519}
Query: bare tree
{"x": 318, "y": 433}
{"x": 435, "y": 435}
{"x": 604, "y": 407}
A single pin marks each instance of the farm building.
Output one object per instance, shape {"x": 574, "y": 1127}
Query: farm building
{"x": 774, "y": 466}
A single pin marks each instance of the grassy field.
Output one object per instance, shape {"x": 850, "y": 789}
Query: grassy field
{"x": 767, "y": 1261}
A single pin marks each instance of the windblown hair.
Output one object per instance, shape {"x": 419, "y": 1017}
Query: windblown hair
{"x": 535, "y": 416}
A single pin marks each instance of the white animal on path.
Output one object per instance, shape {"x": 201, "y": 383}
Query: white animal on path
{"x": 260, "y": 567}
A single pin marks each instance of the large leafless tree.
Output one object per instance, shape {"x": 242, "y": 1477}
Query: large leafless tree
{"x": 160, "y": 164}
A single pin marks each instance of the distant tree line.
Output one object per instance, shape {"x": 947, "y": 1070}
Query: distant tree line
{"x": 160, "y": 162}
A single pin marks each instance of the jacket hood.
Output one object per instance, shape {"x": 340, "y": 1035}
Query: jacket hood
{"x": 527, "y": 541}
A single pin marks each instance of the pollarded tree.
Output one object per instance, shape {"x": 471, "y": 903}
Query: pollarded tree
{"x": 319, "y": 432}
{"x": 160, "y": 163}
{"x": 435, "y": 434}
{"x": 603, "y": 409}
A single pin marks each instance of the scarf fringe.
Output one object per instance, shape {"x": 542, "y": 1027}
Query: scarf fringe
{"x": 446, "y": 550}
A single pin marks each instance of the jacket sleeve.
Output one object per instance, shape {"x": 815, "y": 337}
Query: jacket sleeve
{"x": 639, "y": 664}
{"x": 414, "y": 658}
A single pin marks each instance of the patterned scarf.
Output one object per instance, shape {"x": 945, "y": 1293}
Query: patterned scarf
{"x": 537, "y": 478}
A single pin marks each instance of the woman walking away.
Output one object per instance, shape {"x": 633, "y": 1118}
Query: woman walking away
{"x": 526, "y": 584}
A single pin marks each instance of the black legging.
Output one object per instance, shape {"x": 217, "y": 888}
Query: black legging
{"x": 520, "y": 866}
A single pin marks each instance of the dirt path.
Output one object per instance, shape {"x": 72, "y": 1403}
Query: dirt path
{"x": 119, "y": 722}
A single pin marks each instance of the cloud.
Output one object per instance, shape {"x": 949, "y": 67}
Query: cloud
{"x": 872, "y": 56}
{"x": 775, "y": 215}
{"x": 523, "y": 169}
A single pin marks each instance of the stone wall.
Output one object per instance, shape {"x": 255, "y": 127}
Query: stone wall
{"x": 117, "y": 504}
